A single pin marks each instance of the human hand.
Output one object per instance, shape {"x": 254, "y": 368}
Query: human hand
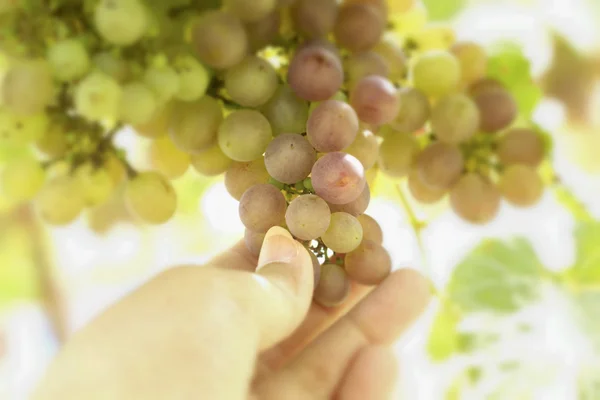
{"x": 224, "y": 331}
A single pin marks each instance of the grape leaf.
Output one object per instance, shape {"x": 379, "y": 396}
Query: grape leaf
{"x": 586, "y": 270}
{"x": 497, "y": 276}
{"x": 508, "y": 64}
{"x": 439, "y": 10}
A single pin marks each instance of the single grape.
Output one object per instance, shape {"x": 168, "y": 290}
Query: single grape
{"x": 356, "y": 207}
{"x": 360, "y": 65}
{"x": 440, "y": 165}
{"x": 289, "y": 158}
{"x": 121, "y": 22}
{"x": 113, "y": 66}
{"x": 484, "y": 85}
{"x": 138, "y": 103}
{"x": 264, "y": 31}
{"x": 400, "y": 6}
{"x": 339, "y": 96}
{"x": 194, "y": 126}
{"x": 521, "y": 146}
{"x": 22, "y": 179}
{"x": 314, "y": 18}
{"x": 315, "y": 73}
{"x": 359, "y": 26}
{"x": 115, "y": 168}
{"x": 158, "y": 125}
{"x": 375, "y": 100}
{"x": 497, "y": 108}
{"x": 369, "y": 264}
{"x": 194, "y": 78}
{"x": 53, "y": 142}
{"x": 316, "y": 268}
{"x": 371, "y": 229}
{"x": 164, "y": 82}
{"x": 243, "y": 175}
{"x": 244, "y": 135}
{"x": 414, "y": 111}
{"x": 252, "y": 82}
{"x": 98, "y": 97}
{"x": 95, "y": 184}
{"x": 475, "y": 199}
{"x": 397, "y": 154}
{"x": 521, "y": 185}
{"x": 436, "y": 73}
{"x": 286, "y": 112}
{"x": 254, "y": 241}
{"x": 262, "y": 207}
{"x": 211, "y": 162}
{"x": 167, "y": 159}
{"x": 333, "y": 287}
{"x": 332, "y": 126}
{"x": 344, "y": 233}
{"x": 151, "y": 197}
{"x": 473, "y": 61}
{"x": 393, "y": 56}
{"x": 455, "y": 118}
{"x": 68, "y": 59}
{"x": 220, "y": 39}
{"x": 338, "y": 178}
{"x": 422, "y": 192}
{"x": 22, "y": 129}
{"x": 365, "y": 148}
{"x": 27, "y": 87}
{"x": 250, "y": 10}
{"x": 60, "y": 201}
{"x": 308, "y": 217}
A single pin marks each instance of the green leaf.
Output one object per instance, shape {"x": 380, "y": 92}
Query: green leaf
{"x": 586, "y": 271}
{"x": 497, "y": 276}
{"x": 443, "y": 336}
{"x": 439, "y": 10}
{"x": 509, "y": 65}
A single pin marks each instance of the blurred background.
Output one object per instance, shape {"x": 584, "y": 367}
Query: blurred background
{"x": 517, "y": 314}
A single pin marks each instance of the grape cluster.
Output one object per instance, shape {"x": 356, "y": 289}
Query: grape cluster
{"x": 296, "y": 102}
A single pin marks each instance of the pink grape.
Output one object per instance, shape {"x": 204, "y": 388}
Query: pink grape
{"x": 338, "y": 178}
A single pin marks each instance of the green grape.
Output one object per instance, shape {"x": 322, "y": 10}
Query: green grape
{"x": 339, "y": 96}
{"x": 344, "y": 233}
{"x": 243, "y": 175}
{"x": 254, "y": 241}
{"x": 440, "y": 165}
{"x": 244, "y": 135}
{"x": 68, "y": 59}
{"x": 164, "y": 82}
{"x": 289, "y": 158}
{"x": 28, "y": 87}
{"x": 333, "y": 287}
{"x": 414, "y": 111}
{"x": 96, "y": 184}
{"x": 115, "y": 168}
{"x": 250, "y": 11}
{"x": 475, "y": 199}
{"x": 308, "y": 217}
{"x": 7, "y": 6}
{"x": 397, "y": 154}
{"x": 60, "y": 201}
{"x": 375, "y": 100}
{"x": 497, "y": 108}
{"x": 264, "y": 31}
{"x": 455, "y": 118}
{"x": 98, "y": 97}
{"x": 365, "y": 148}
{"x": 138, "y": 103}
{"x": 121, "y": 22}
{"x": 53, "y": 142}
{"x": 332, "y": 126}
{"x": 22, "y": 179}
{"x": 211, "y": 162}
{"x": 473, "y": 61}
{"x": 194, "y": 78}
{"x": 521, "y": 185}
{"x": 359, "y": 27}
{"x": 252, "y": 82}
{"x": 360, "y": 65}
{"x": 371, "y": 229}
{"x": 286, "y": 112}
{"x": 150, "y": 197}
{"x": 167, "y": 159}
{"x": 393, "y": 56}
{"x": 22, "y": 129}
{"x": 220, "y": 39}
{"x": 521, "y": 146}
{"x": 262, "y": 207}
{"x": 195, "y": 125}
{"x": 369, "y": 264}
{"x": 314, "y": 18}
{"x": 113, "y": 66}
{"x": 436, "y": 73}
{"x": 159, "y": 123}
{"x": 421, "y": 192}
{"x": 356, "y": 207}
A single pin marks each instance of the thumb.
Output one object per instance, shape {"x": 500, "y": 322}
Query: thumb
{"x": 286, "y": 278}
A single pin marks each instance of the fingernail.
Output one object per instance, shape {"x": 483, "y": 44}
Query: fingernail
{"x": 278, "y": 247}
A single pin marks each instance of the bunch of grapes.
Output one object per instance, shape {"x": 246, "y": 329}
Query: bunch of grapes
{"x": 299, "y": 103}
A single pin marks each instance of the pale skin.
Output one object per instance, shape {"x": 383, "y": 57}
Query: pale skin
{"x": 230, "y": 330}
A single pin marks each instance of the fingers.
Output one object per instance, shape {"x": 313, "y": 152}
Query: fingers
{"x": 378, "y": 319}
{"x": 372, "y": 375}
{"x": 237, "y": 258}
